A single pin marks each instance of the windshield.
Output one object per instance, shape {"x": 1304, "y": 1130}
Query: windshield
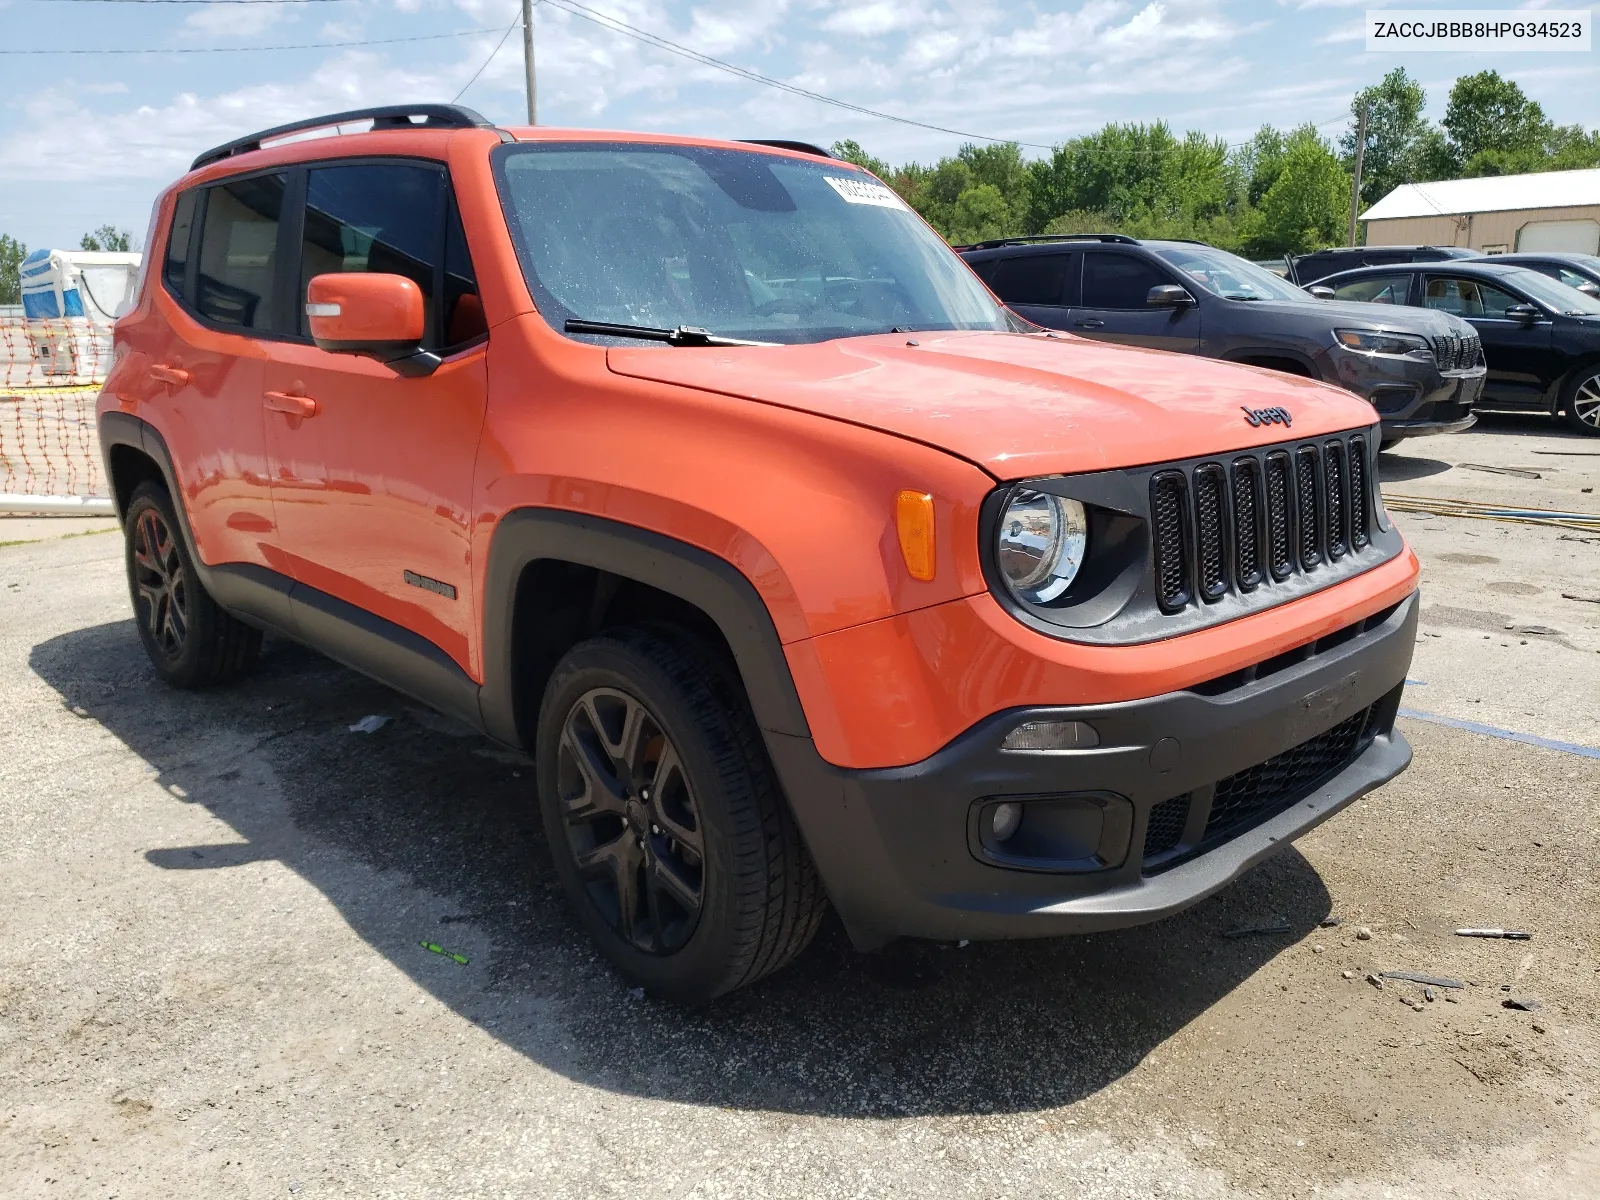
{"x": 1554, "y": 294}
{"x": 1228, "y": 275}
{"x": 741, "y": 243}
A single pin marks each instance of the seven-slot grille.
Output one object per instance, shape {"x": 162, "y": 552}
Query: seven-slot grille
{"x": 1260, "y": 519}
{"x": 1455, "y": 352}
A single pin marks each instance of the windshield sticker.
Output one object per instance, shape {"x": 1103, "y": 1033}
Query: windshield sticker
{"x": 863, "y": 191}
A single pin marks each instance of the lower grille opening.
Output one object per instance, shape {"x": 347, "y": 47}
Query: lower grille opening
{"x": 1165, "y": 829}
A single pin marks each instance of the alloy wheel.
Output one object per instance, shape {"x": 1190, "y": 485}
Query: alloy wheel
{"x": 1586, "y": 402}
{"x": 631, "y": 820}
{"x": 161, "y": 582}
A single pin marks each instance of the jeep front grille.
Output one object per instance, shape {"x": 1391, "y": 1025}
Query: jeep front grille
{"x": 1264, "y": 518}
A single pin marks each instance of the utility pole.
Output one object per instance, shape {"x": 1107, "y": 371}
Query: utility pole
{"x": 1355, "y": 186}
{"x": 527, "y": 63}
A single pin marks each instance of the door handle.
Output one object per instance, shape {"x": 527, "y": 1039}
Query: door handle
{"x": 1092, "y": 324}
{"x": 291, "y": 404}
{"x": 176, "y": 376}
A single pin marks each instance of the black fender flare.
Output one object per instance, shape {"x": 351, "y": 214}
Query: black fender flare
{"x": 1239, "y": 354}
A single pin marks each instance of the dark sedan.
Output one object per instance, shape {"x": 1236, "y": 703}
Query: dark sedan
{"x": 1541, "y": 338}
{"x": 1581, "y": 271}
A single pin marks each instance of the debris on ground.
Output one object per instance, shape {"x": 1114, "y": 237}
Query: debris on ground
{"x": 435, "y": 948}
{"x": 1564, "y": 596}
{"x": 1256, "y": 931}
{"x": 1364, "y": 934}
{"x": 635, "y": 993}
{"x": 1427, "y": 980}
{"x": 1521, "y": 1003}
{"x": 1520, "y": 472}
{"x": 369, "y": 724}
{"x": 1510, "y": 935}
{"x": 1427, "y": 994}
{"x": 1375, "y": 981}
{"x": 1348, "y": 974}
{"x": 1329, "y": 922}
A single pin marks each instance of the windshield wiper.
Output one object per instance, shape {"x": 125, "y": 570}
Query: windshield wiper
{"x": 683, "y": 335}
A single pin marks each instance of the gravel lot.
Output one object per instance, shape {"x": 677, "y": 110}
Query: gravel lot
{"x": 211, "y": 982}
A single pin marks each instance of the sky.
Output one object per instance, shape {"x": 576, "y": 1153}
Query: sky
{"x": 88, "y": 139}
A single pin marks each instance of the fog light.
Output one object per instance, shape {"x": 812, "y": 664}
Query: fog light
{"x": 1051, "y": 735}
{"x": 1004, "y": 819}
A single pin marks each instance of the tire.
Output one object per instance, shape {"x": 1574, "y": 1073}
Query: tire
{"x": 191, "y": 641}
{"x": 669, "y": 832}
{"x": 1580, "y": 400}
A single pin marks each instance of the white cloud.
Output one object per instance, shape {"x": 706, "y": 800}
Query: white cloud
{"x": 235, "y": 20}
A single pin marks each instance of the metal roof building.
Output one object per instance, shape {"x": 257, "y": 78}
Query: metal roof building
{"x": 1550, "y": 210}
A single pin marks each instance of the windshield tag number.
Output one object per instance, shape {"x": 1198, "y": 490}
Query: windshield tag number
{"x": 862, "y": 191}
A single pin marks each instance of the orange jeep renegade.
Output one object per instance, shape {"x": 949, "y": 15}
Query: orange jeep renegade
{"x": 707, "y": 474}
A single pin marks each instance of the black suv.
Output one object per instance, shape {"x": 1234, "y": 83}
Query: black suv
{"x": 1541, "y": 338}
{"x": 1581, "y": 271}
{"x": 1422, "y": 371}
{"x": 1306, "y": 269}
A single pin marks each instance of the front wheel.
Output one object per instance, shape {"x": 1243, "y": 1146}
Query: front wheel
{"x": 667, "y": 827}
{"x": 1582, "y": 401}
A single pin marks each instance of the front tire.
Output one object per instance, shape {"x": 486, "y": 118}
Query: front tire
{"x": 191, "y": 641}
{"x": 670, "y": 835}
{"x": 1581, "y": 401}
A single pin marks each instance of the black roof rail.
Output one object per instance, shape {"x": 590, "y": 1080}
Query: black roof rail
{"x": 785, "y": 144}
{"x": 1045, "y": 238}
{"x": 393, "y": 116}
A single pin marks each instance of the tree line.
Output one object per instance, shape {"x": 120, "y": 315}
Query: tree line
{"x": 1281, "y": 192}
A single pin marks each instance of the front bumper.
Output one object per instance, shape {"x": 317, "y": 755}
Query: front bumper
{"x": 897, "y": 850}
{"x": 1412, "y": 397}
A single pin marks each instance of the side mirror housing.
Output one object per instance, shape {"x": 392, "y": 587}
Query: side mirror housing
{"x": 374, "y": 315}
{"x": 1168, "y": 295}
{"x": 1589, "y": 288}
{"x": 1321, "y": 291}
{"x": 1522, "y": 314}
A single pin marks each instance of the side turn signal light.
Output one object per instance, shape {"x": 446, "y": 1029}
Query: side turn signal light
{"x": 913, "y": 518}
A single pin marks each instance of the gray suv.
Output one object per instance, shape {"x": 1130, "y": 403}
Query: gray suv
{"x": 1422, "y": 370}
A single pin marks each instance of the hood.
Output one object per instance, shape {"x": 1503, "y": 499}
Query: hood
{"x": 1015, "y": 404}
{"x": 1359, "y": 314}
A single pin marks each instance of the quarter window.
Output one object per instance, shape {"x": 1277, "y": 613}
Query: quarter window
{"x": 1467, "y": 298}
{"x": 1375, "y": 289}
{"x": 1032, "y": 279}
{"x": 176, "y": 269}
{"x": 1118, "y": 281}
{"x": 239, "y": 251}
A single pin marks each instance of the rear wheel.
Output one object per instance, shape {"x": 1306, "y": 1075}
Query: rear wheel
{"x": 1582, "y": 401}
{"x": 667, "y": 827}
{"x": 190, "y": 640}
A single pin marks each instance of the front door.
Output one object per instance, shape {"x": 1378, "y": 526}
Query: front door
{"x": 371, "y": 471}
{"x": 1113, "y": 307}
{"x": 1517, "y": 354}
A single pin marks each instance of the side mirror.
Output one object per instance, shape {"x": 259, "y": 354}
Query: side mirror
{"x": 1321, "y": 291}
{"x": 1522, "y": 314}
{"x": 373, "y": 315}
{"x": 1589, "y": 288}
{"x": 1168, "y": 295}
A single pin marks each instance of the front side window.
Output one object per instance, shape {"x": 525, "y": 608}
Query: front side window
{"x": 238, "y": 252}
{"x": 742, "y": 243}
{"x": 1467, "y": 297}
{"x": 1118, "y": 280}
{"x": 1032, "y": 279}
{"x": 1227, "y": 275}
{"x": 1375, "y": 289}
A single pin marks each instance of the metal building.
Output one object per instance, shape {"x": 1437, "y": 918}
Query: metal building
{"x": 1550, "y": 210}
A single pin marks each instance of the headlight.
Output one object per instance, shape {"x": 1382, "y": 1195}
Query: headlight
{"x": 1383, "y": 343}
{"x": 1041, "y": 545}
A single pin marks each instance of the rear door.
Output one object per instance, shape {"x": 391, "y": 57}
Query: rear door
{"x": 1113, "y": 308}
{"x": 1518, "y": 356}
{"x": 1037, "y": 287}
{"x": 373, "y": 489}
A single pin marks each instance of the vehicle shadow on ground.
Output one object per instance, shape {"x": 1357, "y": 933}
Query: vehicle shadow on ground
{"x": 443, "y": 814}
{"x": 1398, "y": 468}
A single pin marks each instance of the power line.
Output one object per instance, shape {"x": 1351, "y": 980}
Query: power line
{"x": 515, "y": 21}
{"x": 193, "y": 1}
{"x": 426, "y": 37}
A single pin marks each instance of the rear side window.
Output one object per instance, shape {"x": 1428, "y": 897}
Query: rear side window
{"x": 1118, "y": 281}
{"x": 1375, "y": 289}
{"x": 1032, "y": 279}
{"x": 239, "y": 252}
{"x": 176, "y": 268}
{"x": 396, "y": 219}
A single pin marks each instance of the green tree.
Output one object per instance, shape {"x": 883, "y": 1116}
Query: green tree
{"x": 1402, "y": 147}
{"x": 12, "y": 252}
{"x": 1307, "y": 207}
{"x": 107, "y": 237}
{"x": 1490, "y": 116}
{"x": 850, "y": 151}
